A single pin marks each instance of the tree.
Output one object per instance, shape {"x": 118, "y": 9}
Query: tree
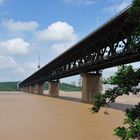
{"x": 133, "y": 121}
{"x": 125, "y": 79}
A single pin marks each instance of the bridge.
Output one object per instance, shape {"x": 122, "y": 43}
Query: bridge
{"x": 106, "y": 47}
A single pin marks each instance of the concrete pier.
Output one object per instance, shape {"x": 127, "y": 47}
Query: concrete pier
{"x": 24, "y": 89}
{"x": 21, "y": 89}
{"x": 39, "y": 88}
{"x": 32, "y": 89}
{"x": 53, "y": 88}
{"x": 28, "y": 89}
{"x": 91, "y": 86}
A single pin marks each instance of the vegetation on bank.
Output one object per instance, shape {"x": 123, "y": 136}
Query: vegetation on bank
{"x": 8, "y": 86}
{"x": 65, "y": 87}
{"x": 12, "y": 86}
{"x": 68, "y": 87}
{"x": 125, "y": 79}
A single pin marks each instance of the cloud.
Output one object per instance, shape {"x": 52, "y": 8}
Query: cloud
{"x": 7, "y": 62}
{"x": 26, "y": 69}
{"x": 16, "y": 46}
{"x": 9, "y": 65}
{"x": 108, "y": 72}
{"x": 30, "y": 67}
{"x": 2, "y": 1}
{"x": 10, "y": 70}
{"x": 57, "y": 32}
{"x": 60, "y": 48}
{"x": 80, "y": 2}
{"x": 135, "y": 65}
{"x": 118, "y": 6}
{"x": 19, "y": 26}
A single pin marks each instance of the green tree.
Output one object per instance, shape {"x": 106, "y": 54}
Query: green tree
{"x": 124, "y": 80}
{"x": 133, "y": 121}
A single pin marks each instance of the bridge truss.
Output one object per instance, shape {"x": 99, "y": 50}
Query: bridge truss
{"x": 107, "y": 47}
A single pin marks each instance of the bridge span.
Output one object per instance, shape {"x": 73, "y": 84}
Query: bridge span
{"x": 106, "y": 47}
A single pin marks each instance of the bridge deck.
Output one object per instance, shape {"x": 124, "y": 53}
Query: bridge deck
{"x": 106, "y": 47}
{"x": 33, "y": 117}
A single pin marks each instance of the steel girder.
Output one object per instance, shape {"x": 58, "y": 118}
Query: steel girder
{"x": 110, "y": 49}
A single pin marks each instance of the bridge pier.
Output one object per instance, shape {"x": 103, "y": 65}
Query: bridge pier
{"x": 24, "y": 89}
{"x": 91, "y": 86}
{"x": 53, "y": 88}
{"x": 32, "y": 89}
{"x": 28, "y": 89}
{"x": 39, "y": 88}
{"x": 21, "y": 89}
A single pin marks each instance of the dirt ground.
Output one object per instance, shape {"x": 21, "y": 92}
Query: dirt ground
{"x": 32, "y": 117}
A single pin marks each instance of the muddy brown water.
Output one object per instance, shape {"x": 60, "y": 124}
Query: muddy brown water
{"x": 32, "y": 117}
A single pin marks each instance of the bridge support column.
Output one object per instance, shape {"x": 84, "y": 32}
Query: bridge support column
{"x": 21, "y": 89}
{"x": 28, "y": 89}
{"x": 24, "y": 89}
{"x": 91, "y": 86}
{"x": 39, "y": 88}
{"x": 53, "y": 88}
{"x": 32, "y": 89}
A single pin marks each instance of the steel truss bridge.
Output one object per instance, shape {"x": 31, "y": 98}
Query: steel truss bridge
{"x": 106, "y": 47}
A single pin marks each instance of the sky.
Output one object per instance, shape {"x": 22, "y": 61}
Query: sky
{"x": 47, "y": 27}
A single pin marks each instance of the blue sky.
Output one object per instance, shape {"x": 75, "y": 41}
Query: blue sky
{"x": 48, "y": 27}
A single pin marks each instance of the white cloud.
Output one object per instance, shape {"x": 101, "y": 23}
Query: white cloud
{"x": 19, "y": 26}
{"x": 117, "y": 7}
{"x": 11, "y": 70}
{"x": 109, "y": 72}
{"x": 27, "y": 69}
{"x": 5, "y": 78}
{"x": 14, "y": 46}
{"x": 57, "y": 32}
{"x": 135, "y": 65}
{"x": 2, "y": 1}
{"x": 80, "y": 2}
{"x": 7, "y": 62}
{"x": 60, "y": 48}
{"x": 31, "y": 67}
